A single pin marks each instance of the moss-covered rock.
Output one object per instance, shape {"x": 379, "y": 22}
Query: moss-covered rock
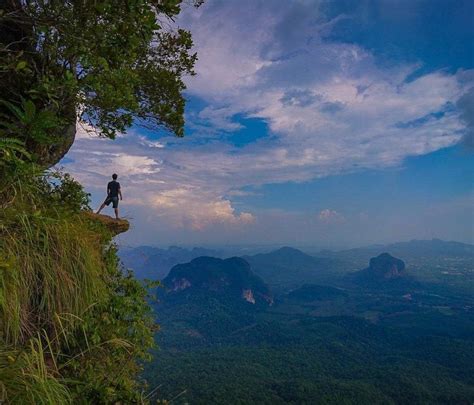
{"x": 115, "y": 226}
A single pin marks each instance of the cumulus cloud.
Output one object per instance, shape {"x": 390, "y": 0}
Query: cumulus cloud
{"x": 188, "y": 207}
{"x": 323, "y": 99}
{"x": 219, "y": 118}
{"x": 330, "y": 108}
{"x": 156, "y": 180}
{"x": 330, "y": 216}
{"x": 466, "y": 106}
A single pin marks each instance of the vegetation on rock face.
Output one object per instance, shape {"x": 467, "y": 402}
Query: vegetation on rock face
{"x": 105, "y": 63}
{"x": 231, "y": 276}
{"x": 74, "y": 327}
{"x": 72, "y": 324}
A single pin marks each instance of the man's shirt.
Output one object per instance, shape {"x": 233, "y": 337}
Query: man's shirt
{"x": 113, "y": 187}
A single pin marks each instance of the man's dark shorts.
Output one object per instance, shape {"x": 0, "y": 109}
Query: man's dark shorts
{"x": 113, "y": 200}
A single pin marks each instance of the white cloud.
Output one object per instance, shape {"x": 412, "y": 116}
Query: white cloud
{"x": 330, "y": 216}
{"x": 186, "y": 207}
{"x": 220, "y": 118}
{"x": 174, "y": 190}
{"x": 133, "y": 164}
{"x": 330, "y": 106}
{"x": 349, "y": 108}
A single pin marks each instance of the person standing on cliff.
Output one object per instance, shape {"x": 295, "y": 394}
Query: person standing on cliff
{"x": 113, "y": 194}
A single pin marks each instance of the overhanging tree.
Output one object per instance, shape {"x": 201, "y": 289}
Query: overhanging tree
{"x": 106, "y": 63}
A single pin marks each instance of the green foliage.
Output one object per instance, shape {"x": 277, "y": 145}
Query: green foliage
{"x": 27, "y": 186}
{"x": 73, "y": 325}
{"x": 313, "y": 361}
{"x": 316, "y": 344}
{"x": 116, "y": 332}
{"x": 104, "y": 63}
{"x": 25, "y": 378}
{"x": 64, "y": 192}
{"x": 50, "y": 266}
{"x": 27, "y": 119}
{"x": 11, "y": 149}
{"x": 14, "y": 158}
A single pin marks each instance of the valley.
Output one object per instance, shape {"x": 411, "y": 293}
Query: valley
{"x": 288, "y": 327}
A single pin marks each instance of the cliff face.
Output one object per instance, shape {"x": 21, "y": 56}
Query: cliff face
{"x": 68, "y": 313}
{"x": 386, "y": 266}
{"x": 385, "y": 271}
{"x": 231, "y": 278}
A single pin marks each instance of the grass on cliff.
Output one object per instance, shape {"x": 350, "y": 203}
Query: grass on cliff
{"x": 73, "y": 325}
{"x": 50, "y": 262}
{"x": 49, "y": 266}
{"x": 26, "y": 378}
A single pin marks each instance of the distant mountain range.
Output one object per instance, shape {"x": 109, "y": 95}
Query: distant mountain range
{"x": 412, "y": 249}
{"x": 155, "y": 263}
{"x": 288, "y": 268}
{"x": 327, "y": 325}
{"x": 204, "y": 281}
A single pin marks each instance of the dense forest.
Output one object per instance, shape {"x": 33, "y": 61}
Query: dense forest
{"x": 381, "y": 334}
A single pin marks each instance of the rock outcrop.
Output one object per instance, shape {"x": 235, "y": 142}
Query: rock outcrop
{"x": 115, "y": 226}
{"x": 385, "y": 271}
{"x": 386, "y": 266}
{"x": 229, "y": 279}
{"x": 247, "y": 295}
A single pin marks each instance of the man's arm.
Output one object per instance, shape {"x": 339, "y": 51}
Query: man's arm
{"x": 120, "y": 193}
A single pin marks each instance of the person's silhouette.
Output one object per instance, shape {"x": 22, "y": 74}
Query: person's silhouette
{"x": 113, "y": 194}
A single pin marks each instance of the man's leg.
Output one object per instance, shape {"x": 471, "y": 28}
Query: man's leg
{"x": 101, "y": 208}
{"x": 115, "y": 201}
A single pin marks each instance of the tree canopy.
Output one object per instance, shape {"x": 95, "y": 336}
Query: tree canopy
{"x": 106, "y": 63}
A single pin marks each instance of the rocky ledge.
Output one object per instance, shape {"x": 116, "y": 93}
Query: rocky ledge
{"x": 115, "y": 226}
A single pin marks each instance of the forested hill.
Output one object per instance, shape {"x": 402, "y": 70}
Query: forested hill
{"x": 231, "y": 279}
{"x": 287, "y": 268}
{"x": 382, "y": 334}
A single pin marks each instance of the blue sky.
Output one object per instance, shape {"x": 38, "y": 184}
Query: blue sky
{"x": 325, "y": 123}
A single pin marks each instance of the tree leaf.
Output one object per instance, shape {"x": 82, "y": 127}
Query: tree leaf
{"x": 30, "y": 110}
{"x": 21, "y": 65}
